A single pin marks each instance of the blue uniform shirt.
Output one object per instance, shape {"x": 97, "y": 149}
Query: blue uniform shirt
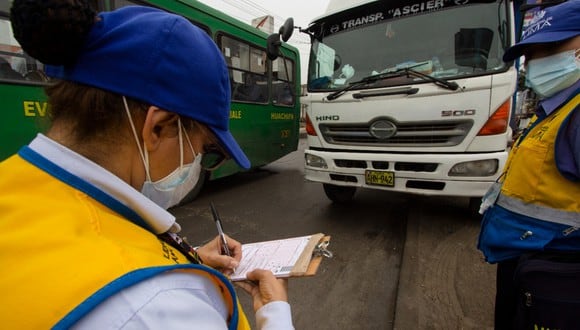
{"x": 568, "y": 141}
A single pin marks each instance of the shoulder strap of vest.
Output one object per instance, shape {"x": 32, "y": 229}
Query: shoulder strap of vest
{"x": 72, "y": 180}
{"x": 135, "y": 277}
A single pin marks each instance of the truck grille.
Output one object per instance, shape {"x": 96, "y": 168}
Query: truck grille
{"x": 416, "y": 134}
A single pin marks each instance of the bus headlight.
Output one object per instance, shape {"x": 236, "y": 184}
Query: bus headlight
{"x": 487, "y": 167}
{"x": 315, "y": 161}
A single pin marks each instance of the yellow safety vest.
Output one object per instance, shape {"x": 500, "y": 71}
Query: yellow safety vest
{"x": 59, "y": 246}
{"x": 532, "y": 184}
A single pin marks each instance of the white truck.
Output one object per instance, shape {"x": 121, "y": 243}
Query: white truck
{"x": 409, "y": 96}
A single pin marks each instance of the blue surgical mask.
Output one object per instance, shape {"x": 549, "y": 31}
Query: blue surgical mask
{"x": 551, "y": 74}
{"x": 170, "y": 190}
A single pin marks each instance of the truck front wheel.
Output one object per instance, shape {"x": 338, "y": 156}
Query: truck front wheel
{"x": 339, "y": 194}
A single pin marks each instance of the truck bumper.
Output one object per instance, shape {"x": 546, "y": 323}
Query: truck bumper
{"x": 424, "y": 174}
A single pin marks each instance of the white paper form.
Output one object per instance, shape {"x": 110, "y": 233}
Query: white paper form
{"x": 278, "y": 256}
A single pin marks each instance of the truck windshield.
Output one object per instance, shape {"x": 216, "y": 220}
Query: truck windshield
{"x": 442, "y": 41}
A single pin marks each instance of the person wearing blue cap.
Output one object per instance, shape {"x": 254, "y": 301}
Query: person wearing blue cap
{"x": 535, "y": 206}
{"x": 138, "y": 105}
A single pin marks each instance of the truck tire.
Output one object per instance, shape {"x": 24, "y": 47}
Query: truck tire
{"x": 339, "y": 194}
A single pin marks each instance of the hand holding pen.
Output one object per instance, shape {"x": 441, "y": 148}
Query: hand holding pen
{"x": 218, "y": 222}
{"x": 261, "y": 285}
{"x": 215, "y": 253}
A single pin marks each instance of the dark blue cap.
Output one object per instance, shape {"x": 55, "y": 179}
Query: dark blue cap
{"x": 161, "y": 59}
{"x": 550, "y": 24}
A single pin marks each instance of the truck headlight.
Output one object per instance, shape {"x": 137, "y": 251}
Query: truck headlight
{"x": 487, "y": 167}
{"x": 315, "y": 161}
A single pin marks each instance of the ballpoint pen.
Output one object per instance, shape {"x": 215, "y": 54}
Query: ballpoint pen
{"x": 224, "y": 243}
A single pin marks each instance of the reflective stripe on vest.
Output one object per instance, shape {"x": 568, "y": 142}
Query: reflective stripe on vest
{"x": 539, "y": 212}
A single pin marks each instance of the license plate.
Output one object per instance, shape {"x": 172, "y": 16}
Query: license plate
{"x": 380, "y": 178}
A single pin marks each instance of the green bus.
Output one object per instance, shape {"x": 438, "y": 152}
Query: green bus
{"x": 264, "y": 77}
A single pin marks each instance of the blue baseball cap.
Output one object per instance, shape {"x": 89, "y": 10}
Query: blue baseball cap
{"x": 161, "y": 59}
{"x": 550, "y": 24}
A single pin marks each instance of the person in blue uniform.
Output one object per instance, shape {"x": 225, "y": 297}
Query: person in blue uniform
{"x": 535, "y": 206}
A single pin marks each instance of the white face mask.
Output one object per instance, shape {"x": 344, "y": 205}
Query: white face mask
{"x": 170, "y": 190}
{"x": 551, "y": 74}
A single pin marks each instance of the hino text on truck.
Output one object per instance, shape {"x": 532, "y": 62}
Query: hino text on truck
{"x": 410, "y": 96}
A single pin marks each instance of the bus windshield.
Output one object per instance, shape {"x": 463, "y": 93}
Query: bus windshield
{"x": 443, "y": 42}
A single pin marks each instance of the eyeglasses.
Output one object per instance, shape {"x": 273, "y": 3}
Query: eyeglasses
{"x": 213, "y": 157}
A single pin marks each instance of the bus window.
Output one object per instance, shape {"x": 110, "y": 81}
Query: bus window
{"x": 282, "y": 81}
{"x": 247, "y": 67}
{"x": 15, "y": 65}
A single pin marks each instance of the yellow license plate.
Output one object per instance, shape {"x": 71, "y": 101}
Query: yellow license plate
{"x": 380, "y": 178}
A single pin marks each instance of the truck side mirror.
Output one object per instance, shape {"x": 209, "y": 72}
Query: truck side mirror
{"x": 273, "y": 42}
{"x": 286, "y": 29}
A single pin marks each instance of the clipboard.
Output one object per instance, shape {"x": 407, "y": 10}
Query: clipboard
{"x": 289, "y": 257}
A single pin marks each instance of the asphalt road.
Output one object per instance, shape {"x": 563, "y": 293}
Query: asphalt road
{"x": 400, "y": 261}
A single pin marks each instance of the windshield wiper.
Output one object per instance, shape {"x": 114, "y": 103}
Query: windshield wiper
{"x": 364, "y": 81}
{"x": 452, "y": 85}
{"x": 392, "y": 74}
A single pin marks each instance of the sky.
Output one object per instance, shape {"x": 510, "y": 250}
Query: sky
{"x": 302, "y": 11}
